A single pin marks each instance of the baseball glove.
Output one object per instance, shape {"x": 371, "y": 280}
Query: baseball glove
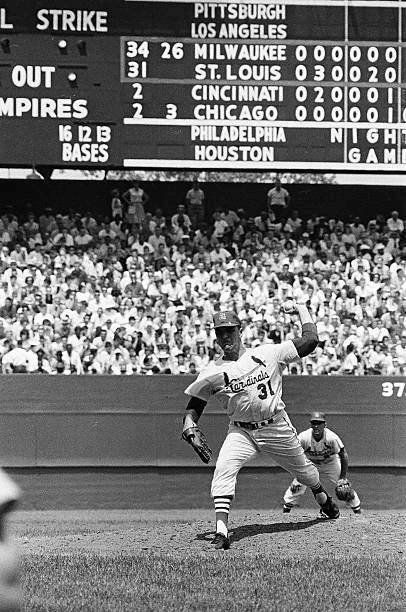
{"x": 196, "y": 438}
{"x": 344, "y": 490}
{"x": 295, "y": 486}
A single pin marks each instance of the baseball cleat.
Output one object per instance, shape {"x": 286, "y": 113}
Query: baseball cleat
{"x": 221, "y": 541}
{"x": 329, "y": 509}
{"x": 357, "y": 510}
{"x": 286, "y": 508}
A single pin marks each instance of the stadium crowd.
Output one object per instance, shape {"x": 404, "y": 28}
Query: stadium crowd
{"x": 134, "y": 292}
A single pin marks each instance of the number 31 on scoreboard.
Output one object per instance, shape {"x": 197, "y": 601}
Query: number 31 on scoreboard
{"x": 396, "y": 388}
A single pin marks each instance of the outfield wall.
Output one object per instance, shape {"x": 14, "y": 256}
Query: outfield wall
{"x": 50, "y": 421}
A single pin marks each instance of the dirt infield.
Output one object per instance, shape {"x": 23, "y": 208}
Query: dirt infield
{"x": 180, "y": 532}
{"x": 147, "y": 560}
{"x": 117, "y": 540}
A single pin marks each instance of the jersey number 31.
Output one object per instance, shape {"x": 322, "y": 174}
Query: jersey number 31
{"x": 264, "y": 390}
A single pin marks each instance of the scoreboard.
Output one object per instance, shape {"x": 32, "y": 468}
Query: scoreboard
{"x": 289, "y": 85}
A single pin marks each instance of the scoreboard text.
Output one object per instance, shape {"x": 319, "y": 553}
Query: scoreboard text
{"x": 293, "y": 85}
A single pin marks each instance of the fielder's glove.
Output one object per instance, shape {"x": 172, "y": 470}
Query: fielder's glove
{"x": 295, "y": 486}
{"x": 344, "y": 490}
{"x": 196, "y": 438}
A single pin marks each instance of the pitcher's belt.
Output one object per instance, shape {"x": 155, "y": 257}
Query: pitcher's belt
{"x": 255, "y": 425}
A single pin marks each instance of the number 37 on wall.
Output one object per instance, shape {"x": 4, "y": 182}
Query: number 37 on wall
{"x": 389, "y": 389}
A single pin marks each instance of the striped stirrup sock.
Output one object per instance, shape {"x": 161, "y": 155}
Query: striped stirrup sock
{"x": 222, "y": 508}
{"x": 222, "y": 504}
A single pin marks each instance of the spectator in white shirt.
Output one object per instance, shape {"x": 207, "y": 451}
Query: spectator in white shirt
{"x": 324, "y": 329}
{"x": 395, "y": 223}
{"x": 72, "y": 360}
{"x": 219, "y": 253}
{"x": 259, "y": 291}
{"x": 83, "y": 239}
{"x": 181, "y": 219}
{"x": 16, "y": 361}
{"x": 195, "y": 202}
{"x": 278, "y": 200}
{"x": 400, "y": 350}
{"x": 220, "y": 226}
{"x": 19, "y": 253}
{"x": 173, "y": 288}
{"x": 350, "y": 364}
{"x": 379, "y": 332}
{"x": 44, "y": 366}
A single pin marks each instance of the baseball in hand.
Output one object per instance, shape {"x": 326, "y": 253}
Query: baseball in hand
{"x": 289, "y": 306}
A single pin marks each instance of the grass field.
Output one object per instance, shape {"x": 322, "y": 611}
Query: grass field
{"x": 122, "y": 560}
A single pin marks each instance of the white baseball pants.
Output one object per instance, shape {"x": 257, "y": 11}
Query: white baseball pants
{"x": 278, "y": 439}
{"x": 9, "y": 490}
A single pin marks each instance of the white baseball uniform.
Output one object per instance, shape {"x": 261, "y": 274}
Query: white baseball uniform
{"x": 9, "y": 490}
{"x": 324, "y": 453}
{"x": 250, "y": 389}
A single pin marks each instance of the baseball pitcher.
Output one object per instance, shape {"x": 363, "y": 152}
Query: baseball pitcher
{"x": 325, "y": 449}
{"x": 247, "y": 382}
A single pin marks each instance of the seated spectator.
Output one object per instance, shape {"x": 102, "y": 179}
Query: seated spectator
{"x": 110, "y": 287}
{"x": 350, "y": 364}
{"x": 181, "y": 220}
{"x": 395, "y": 223}
{"x": 16, "y": 360}
{"x": 201, "y": 358}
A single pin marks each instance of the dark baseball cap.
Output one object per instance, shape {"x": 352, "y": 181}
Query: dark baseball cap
{"x": 318, "y": 416}
{"x": 227, "y": 318}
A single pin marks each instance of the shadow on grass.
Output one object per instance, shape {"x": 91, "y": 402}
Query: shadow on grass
{"x": 247, "y": 531}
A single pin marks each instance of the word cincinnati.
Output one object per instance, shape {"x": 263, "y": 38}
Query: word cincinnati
{"x": 238, "y": 93}
{"x": 237, "y": 385}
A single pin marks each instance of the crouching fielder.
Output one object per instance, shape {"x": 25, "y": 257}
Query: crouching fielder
{"x": 248, "y": 383}
{"x": 324, "y": 448}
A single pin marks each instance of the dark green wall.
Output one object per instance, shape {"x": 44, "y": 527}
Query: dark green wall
{"x": 136, "y": 421}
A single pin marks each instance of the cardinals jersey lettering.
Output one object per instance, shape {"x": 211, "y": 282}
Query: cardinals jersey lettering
{"x": 325, "y": 450}
{"x": 250, "y": 389}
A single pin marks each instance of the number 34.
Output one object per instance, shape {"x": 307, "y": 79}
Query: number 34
{"x": 388, "y": 389}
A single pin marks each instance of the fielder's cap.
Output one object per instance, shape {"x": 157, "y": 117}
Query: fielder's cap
{"x": 227, "y": 318}
{"x": 318, "y": 416}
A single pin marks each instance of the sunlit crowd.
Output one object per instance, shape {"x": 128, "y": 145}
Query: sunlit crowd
{"x": 134, "y": 292}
